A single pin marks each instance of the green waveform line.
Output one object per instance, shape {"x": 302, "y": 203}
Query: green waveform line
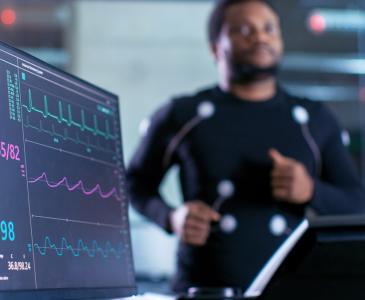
{"x": 65, "y": 136}
{"x": 61, "y": 118}
{"x": 105, "y": 251}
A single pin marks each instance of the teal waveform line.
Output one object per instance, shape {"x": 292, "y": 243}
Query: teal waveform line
{"x": 65, "y": 136}
{"x": 92, "y": 251}
{"x": 68, "y": 120}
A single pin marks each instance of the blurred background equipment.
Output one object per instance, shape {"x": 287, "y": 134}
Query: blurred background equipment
{"x": 146, "y": 51}
{"x": 39, "y": 27}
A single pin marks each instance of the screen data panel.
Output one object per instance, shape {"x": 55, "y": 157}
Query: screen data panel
{"x": 63, "y": 210}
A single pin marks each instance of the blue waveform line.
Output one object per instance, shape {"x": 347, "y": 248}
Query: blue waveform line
{"x": 65, "y": 136}
{"x": 105, "y": 252}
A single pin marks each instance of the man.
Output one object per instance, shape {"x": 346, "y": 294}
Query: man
{"x": 252, "y": 157}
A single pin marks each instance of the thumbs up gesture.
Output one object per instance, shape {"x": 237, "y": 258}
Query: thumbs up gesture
{"x": 290, "y": 180}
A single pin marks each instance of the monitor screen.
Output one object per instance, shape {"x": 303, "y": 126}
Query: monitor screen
{"x": 64, "y": 228}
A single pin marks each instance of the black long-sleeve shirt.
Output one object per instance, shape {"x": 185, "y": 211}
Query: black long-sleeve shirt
{"x": 233, "y": 145}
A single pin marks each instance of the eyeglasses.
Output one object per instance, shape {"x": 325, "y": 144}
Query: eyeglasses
{"x": 247, "y": 30}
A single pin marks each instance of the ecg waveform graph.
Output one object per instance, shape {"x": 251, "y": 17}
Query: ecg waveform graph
{"x": 68, "y": 117}
{"x": 77, "y": 186}
{"x": 92, "y": 251}
{"x": 82, "y": 129}
{"x": 64, "y": 136}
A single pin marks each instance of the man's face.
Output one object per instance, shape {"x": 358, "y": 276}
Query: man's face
{"x": 250, "y": 35}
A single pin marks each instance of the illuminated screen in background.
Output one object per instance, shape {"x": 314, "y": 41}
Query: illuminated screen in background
{"x": 63, "y": 211}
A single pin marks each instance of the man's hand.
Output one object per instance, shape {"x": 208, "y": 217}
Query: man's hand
{"x": 191, "y": 222}
{"x": 290, "y": 180}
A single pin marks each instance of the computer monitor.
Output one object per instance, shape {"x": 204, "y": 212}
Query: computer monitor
{"x": 322, "y": 259}
{"x": 64, "y": 229}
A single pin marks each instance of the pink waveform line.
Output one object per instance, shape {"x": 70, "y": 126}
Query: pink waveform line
{"x": 78, "y": 185}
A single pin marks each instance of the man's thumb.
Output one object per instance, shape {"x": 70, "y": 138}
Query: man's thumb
{"x": 276, "y": 157}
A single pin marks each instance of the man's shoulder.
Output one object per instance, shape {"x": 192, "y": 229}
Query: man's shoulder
{"x": 188, "y": 100}
{"x": 318, "y": 110}
{"x": 179, "y": 109}
{"x": 185, "y": 106}
{"x": 307, "y": 103}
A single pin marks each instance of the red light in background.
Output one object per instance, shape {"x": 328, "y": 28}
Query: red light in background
{"x": 317, "y": 23}
{"x": 362, "y": 94}
{"x": 8, "y": 16}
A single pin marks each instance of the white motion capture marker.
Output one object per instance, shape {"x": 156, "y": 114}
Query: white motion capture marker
{"x": 277, "y": 225}
{"x": 300, "y": 115}
{"x": 225, "y": 188}
{"x": 228, "y": 223}
{"x": 206, "y": 109}
{"x": 143, "y": 126}
{"x": 345, "y": 136}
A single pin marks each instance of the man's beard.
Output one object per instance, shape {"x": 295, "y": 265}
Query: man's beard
{"x": 245, "y": 73}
